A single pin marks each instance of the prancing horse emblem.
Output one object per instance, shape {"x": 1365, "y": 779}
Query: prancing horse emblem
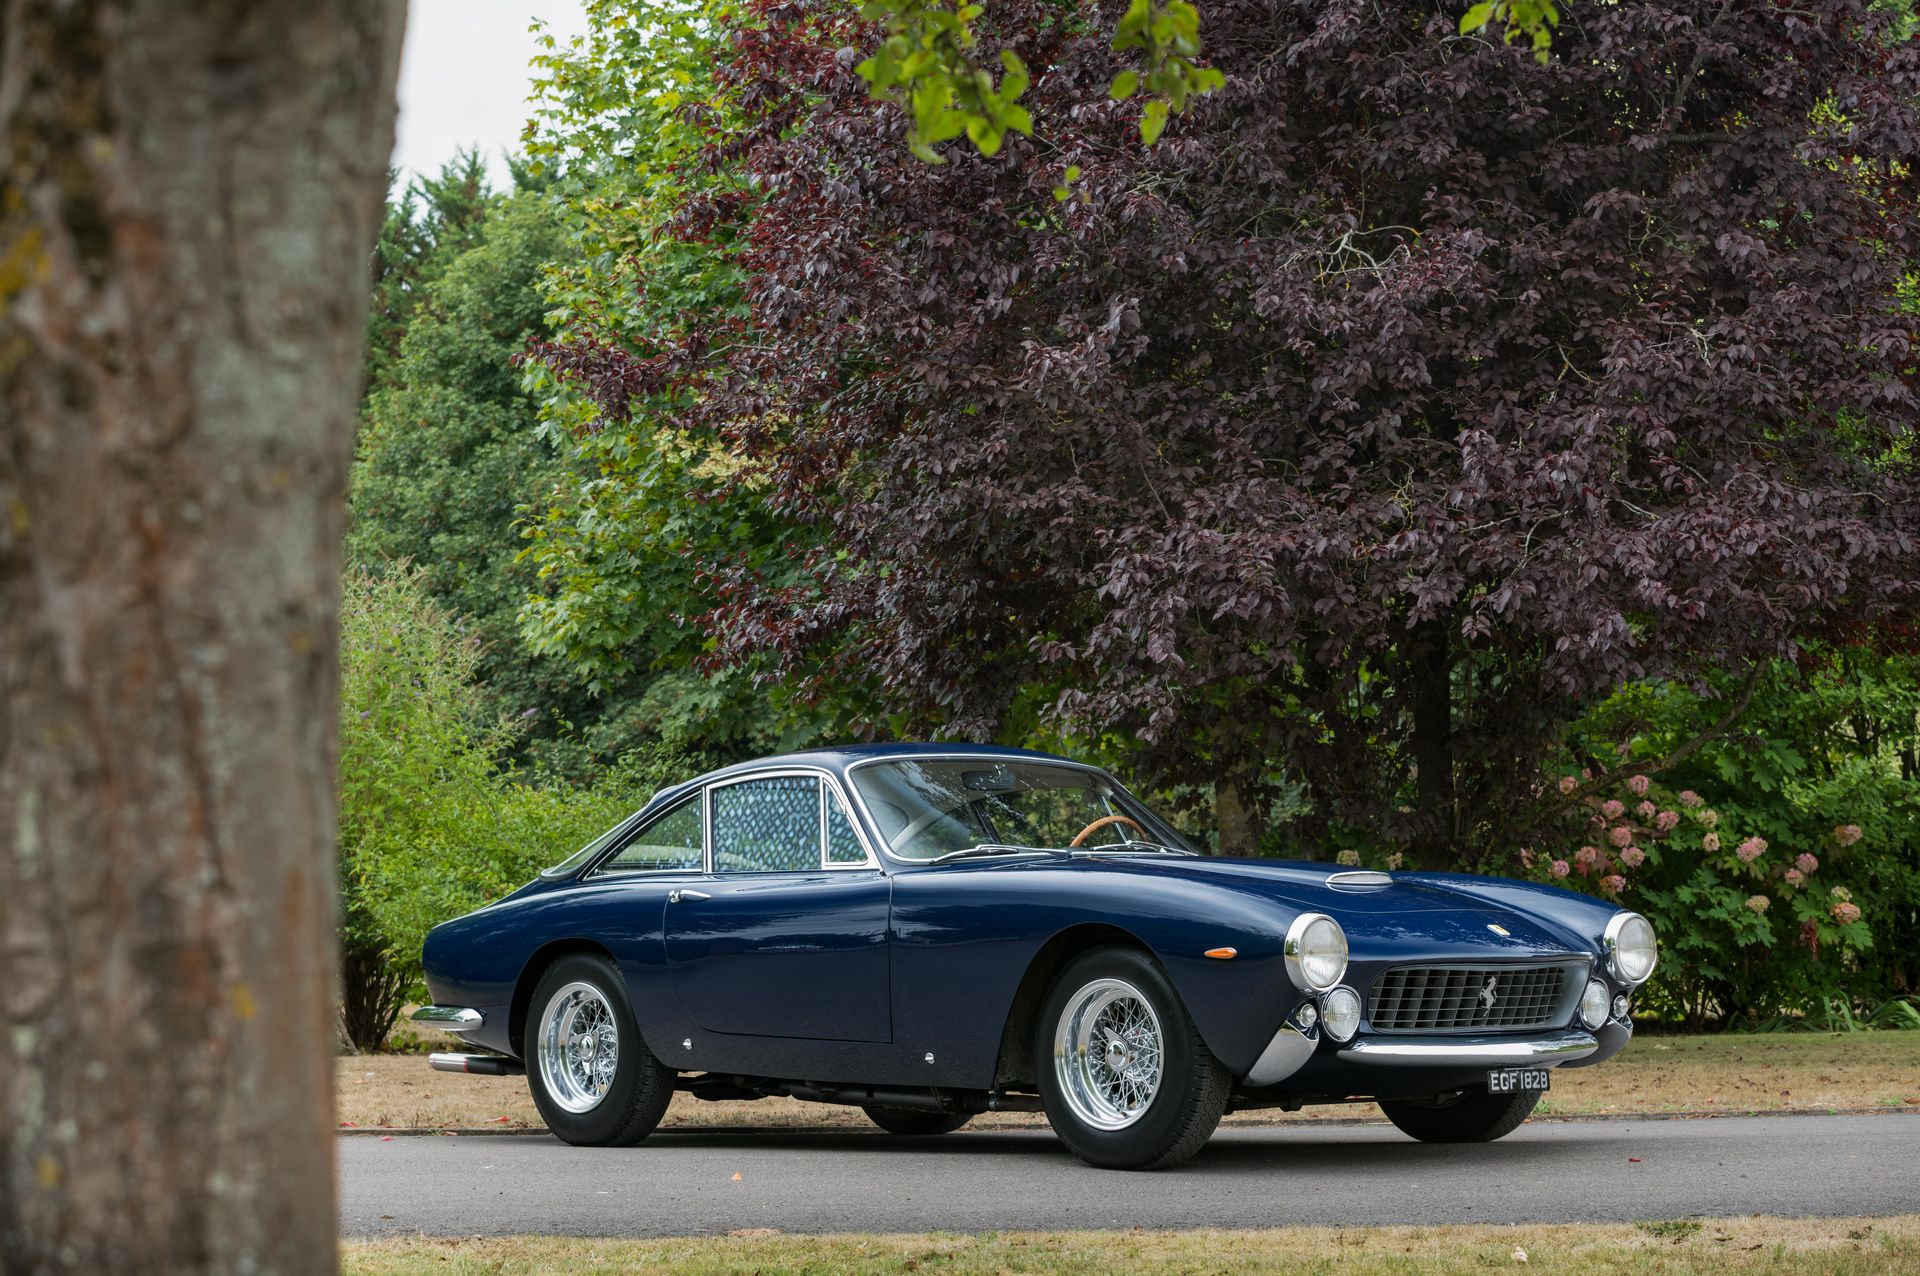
{"x": 1486, "y": 992}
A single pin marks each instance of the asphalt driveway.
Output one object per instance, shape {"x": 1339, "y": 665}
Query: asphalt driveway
{"x": 848, "y": 1181}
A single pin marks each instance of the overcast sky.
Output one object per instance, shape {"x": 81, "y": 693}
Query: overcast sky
{"x": 464, "y": 76}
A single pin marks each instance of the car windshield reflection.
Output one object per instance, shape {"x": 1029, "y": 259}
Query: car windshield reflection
{"x": 947, "y": 809}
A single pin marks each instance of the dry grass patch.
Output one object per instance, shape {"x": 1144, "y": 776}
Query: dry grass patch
{"x": 1711, "y": 1247}
{"x": 1776, "y": 1073}
{"x": 1773, "y": 1072}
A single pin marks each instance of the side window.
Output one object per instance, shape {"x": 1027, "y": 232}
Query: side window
{"x": 843, "y": 845}
{"x": 667, "y": 842}
{"x": 767, "y": 826}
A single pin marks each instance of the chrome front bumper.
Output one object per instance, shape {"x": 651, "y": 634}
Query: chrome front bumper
{"x": 1470, "y": 1051}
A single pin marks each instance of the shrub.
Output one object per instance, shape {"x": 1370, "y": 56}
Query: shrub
{"x": 430, "y": 825}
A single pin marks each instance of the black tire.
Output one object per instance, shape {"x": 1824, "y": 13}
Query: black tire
{"x": 1475, "y": 1117}
{"x": 912, "y": 1121}
{"x": 641, "y": 1087}
{"x": 1192, "y": 1094}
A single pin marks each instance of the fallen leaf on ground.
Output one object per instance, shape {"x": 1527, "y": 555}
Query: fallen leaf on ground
{"x": 736, "y": 1176}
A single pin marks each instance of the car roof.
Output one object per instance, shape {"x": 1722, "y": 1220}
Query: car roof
{"x": 837, "y": 758}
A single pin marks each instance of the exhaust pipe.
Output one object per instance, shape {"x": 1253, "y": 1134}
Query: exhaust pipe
{"x": 479, "y": 1065}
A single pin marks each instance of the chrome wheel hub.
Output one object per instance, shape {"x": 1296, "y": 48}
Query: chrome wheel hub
{"x": 1107, "y": 1054}
{"x": 578, "y": 1050}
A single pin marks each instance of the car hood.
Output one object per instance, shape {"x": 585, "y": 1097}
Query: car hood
{"x": 1490, "y": 915}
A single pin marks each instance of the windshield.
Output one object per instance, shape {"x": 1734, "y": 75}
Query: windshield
{"x": 929, "y": 809}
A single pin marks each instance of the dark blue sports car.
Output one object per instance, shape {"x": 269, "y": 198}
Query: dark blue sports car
{"x": 928, "y": 932}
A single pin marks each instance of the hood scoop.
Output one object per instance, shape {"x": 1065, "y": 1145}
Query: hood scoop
{"x": 1362, "y": 880}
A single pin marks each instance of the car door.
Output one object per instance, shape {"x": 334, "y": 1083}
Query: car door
{"x": 787, "y": 934}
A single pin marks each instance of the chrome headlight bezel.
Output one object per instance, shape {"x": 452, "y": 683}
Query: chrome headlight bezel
{"x": 1616, "y": 963}
{"x": 1298, "y": 954}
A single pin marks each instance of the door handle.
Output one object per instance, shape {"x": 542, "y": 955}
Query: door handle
{"x": 686, "y": 897}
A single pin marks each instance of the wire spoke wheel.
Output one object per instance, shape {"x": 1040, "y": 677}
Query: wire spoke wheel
{"x": 1108, "y": 1054}
{"x": 578, "y": 1047}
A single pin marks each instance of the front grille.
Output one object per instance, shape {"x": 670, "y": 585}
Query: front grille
{"x": 1472, "y": 998}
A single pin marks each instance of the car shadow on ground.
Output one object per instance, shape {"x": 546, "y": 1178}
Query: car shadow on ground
{"x": 1322, "y": 1149}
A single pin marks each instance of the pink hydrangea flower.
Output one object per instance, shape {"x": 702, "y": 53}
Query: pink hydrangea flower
{"x": 1666, "y": 820}
{"x": 1710, "y": 843}
{"x": 1633, "y": 857}
{"x": 1689, "y": 798}
{"x": 1796, "y": 878}
{"x": 1841, "y": 893}
{"x": 1639, "y": 784}
{"x": 1845, "y": 912}
{"x": 1710, "y": 817}
{"x": 1350, "y": 858}
{"x": 1526, "y": 857}
{"x": 1613, "y": 808}
{"x": 1395, "y": 860}
{"x": 1751, "y": 849}
{"x": 1621, "y": 835}
{"x": 1758, "y": 903}
{"x": 1806, "y": 862}
{"x": 1645, "y": 810}
{"x": 1568, "y": 784}
{"x": 1587, "y": 856}
{"x": 1847, "y": 834}
{"x": 1613, "y": 884}
{"x": 1560, "y": 868}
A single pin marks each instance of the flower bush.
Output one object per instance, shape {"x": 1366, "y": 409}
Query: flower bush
{"x": 1778, "y": 861}
{"x": 1741, "y": 925}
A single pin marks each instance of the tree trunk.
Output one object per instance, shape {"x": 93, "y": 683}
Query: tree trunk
{"x": 1430, "y": 674}
{"x": 188, "y": 194}
{"x": 1238, "y": 827}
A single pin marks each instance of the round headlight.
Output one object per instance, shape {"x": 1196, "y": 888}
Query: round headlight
{"x": 1631, "y": 948}
{"x": 1316, "y": 952}
{"x": 1594, "y": 1004}
{"x": 1340, "y": 1014}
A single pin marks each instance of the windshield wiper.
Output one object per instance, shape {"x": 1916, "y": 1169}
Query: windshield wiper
{"x": 1137, "y": 844}
{"x": 986, "y": 849}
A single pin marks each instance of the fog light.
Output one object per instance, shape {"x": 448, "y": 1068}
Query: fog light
{"x": 1340, "y": 1014}
{"x": 1620, "y": 1005}
{"x": 1307, "y": 1016}
{"x": 1594, "y": 1004}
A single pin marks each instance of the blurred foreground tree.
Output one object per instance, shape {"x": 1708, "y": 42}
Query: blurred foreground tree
{"x": 188, "y": 194}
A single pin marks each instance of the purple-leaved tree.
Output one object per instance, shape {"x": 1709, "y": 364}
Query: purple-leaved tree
{"x": 1407, "y": 395}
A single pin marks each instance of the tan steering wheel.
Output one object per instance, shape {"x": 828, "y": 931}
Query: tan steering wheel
{"x": 1105, "y": 820}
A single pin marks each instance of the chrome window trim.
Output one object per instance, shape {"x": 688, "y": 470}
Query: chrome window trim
{"x": 599, "y": 867}
{"x": 969, "y": 755}
{"x": 827, "y": 779}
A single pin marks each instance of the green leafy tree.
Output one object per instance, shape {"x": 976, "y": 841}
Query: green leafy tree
{"x": 626, "y": 112}
{"x": 428, "y": 222}
{"x": 431, "y": 824}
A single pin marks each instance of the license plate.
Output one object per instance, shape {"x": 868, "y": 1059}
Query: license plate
{"x": 1508, "y": 1080}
